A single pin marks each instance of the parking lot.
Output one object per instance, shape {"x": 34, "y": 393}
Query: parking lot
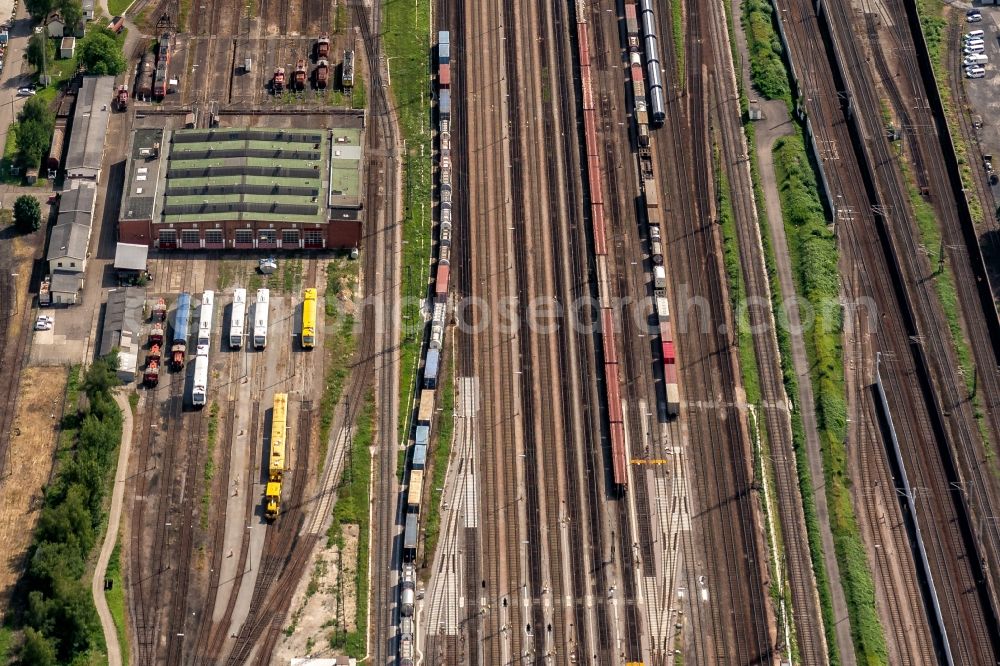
{"x": 984, "y": 94}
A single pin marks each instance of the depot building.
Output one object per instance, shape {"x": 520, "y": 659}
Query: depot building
{"x": 242, "y": 188}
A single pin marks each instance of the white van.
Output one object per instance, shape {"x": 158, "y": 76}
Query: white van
{"x": 974, "y": 34}
{"x": 971, "y": 50}
{"x": 975, "y": 59}
{"x": 974, "y": 42}
{"x": 975, "y": 72}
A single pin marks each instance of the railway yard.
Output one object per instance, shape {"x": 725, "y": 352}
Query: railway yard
{"x": 604, "y": 450}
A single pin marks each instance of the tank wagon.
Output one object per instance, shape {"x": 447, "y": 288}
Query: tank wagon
{"x": 657, "y": 101}
{"x": 237, "y": 317}
{"x": 181, "y": 324}
{"x": 276, "y": 458}
{"x": 309, "y": 319}
{"x": 260, "y": 316}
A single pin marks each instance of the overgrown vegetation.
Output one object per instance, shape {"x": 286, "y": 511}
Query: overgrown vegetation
{"x": 359, "y": 97}
{"x": 406, "y": 29}
{"x": 813, "y": 250}
{"x": 352, "y": 509}
{"x": 56, "y": 609}
{"x": 339, "y": 344}
{"x": 767, "y": 69}
{"x": 677, "y": 27}
{"x": 33, "y": 130}
{"x": 116, "y": 598}
{"x": 209, "y": 472}
{"x": 440, "y": 451}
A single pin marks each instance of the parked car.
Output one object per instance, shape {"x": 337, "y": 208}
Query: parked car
{"x": 973, "y": 16}
{"x": 25, "y": 92}
{"x": 268, "y": 265}
{"x": 975, "y": 72}
{"x": 44, "y": 323}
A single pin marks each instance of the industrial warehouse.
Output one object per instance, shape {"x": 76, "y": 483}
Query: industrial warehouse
{"x": 243, "y": 189}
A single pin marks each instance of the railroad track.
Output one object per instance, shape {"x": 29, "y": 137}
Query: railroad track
{"x": 907, "y": 384}
{"x": 729, "y": 549}
{"x": 16, "y": 326}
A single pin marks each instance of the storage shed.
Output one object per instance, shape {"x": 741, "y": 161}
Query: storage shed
{"x": 122, "y": 319}
{"x": 67, "y": 47}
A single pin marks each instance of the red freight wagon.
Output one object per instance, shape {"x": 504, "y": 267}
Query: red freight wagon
{"x": 614, "y": 397}
{"x": 597, "y": 215}
{"x": 594, "y": 173}
{"x": 618, "y": 462}
{"x": 590, "y": 132}
{"x": 441, "y": 283}
{"x": 608, "y": 333}
{"x": 584, "y": 48}
{"x": 444, "y": 76}
{"x": 669, "y": 356}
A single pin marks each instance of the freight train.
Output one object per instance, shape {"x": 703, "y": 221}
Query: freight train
{"x": 432, "y": 358}
{"x": 276, "y": 458}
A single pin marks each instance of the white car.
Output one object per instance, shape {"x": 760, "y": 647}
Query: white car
{"x": 973, "y": 18}
{"x": 44, "y": 323}
{"x": 975, "y": 72}
{"x": 25, "y": 92}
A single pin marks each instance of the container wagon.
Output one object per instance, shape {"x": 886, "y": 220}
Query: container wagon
{"x": 414, "y": 491}
{"x": 410, "y": 538}
{"x": 276, "y": 458}
{"x": 347, "y": 70}
{"x": 237, "y": 318}
{"x": 425, "y": 412}
{"x": 309, "y": 319}
{"x": 182, "y": 320}
{"x": 431, "y": 368}
{"x": 260, "y": 314}
{"x": 205, "y": 322}
{"x": 199, "y": 389}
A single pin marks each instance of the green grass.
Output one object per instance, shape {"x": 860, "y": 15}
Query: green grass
{"x": 133, "y": 400}
{"x": 6, "y": 639}
{"x": 677, "y": 27}
{"x": 118, "y": 7}
{"x": 182, "y": 14}
{"x": 116, "y": 598}
{"x": 359, "y": 97}
{"x": 438, "y": 462}
{"x": 813, "y": 251}
{"x": 209, "y": 472}
{"x": 340, "y": 18}
{"x": 406, "y": 43}
{"x": 767, "y": 69}
{"x": 352, "y": 509}
{"x": 9, "y": 154}
{"x": 339, "y": 344}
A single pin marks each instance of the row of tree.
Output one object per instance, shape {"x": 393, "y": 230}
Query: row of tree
{"x": 58, "y": 614}
{"x": 70, "y": 10}
{"x": 35, "y": 123}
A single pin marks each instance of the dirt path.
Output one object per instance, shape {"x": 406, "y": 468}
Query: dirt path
{"x": 111, "y": 534}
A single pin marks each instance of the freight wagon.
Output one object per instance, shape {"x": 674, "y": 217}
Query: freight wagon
{"x": 237, "y": 318}
{"x": 181, "y": 323}
{"x": 260, "y": 316}
{"x": 414, "y": 491}
{"x": 431, "y": 365}
{"x": 347, "y": 71}
{"x": 309, "y": 319}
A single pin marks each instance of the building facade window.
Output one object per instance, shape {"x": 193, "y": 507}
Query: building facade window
{"x": 313, "y": 238}
{"x": 168, "y": 238}
{"x": 244, "y": 236}
{"x": 267, "y": 236}
{"x": 290, "y": 237}
{"x": 213, "y": 237}
{"x": 190, "y": 238}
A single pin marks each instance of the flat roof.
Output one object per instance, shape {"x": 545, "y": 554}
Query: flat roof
{"x": 143, "y": 174}
{"x": 131, "y": 257}
{"x": 345, "y": 166}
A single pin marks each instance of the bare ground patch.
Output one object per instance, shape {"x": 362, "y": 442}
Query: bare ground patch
{"x": 33, "y": 442}
{"x": 324, "y": 601}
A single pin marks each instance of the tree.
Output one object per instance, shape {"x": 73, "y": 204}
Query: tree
{"x": 27, "y": 213}
{"x": 36, "y": 109}
{"x": 101, "y": 54}
{"x": 72, "y": 13}
{"x": 33, "y": 140}
{"x": 37, "y": 649}
{"x": 36, "y": 50}
{"x": 39, "y": 9}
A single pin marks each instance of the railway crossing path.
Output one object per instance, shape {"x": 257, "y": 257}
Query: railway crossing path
{"x": 111, "y": 534}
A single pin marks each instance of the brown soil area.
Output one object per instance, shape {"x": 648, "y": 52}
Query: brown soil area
{"x": 33, "y": 441}
{"x": 319, "y": 604}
